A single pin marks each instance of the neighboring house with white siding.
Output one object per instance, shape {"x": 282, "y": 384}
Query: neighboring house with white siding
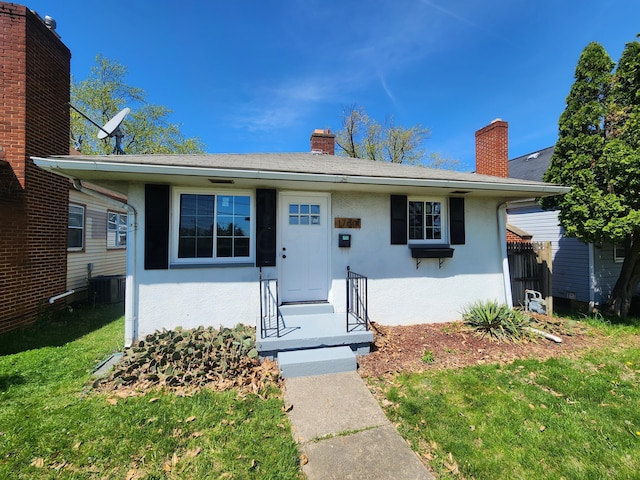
{"x": 96, "y": 239}
{"x": 582, "y": 273}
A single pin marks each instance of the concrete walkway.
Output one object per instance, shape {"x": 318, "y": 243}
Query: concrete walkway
{"x": 344, "y": 433}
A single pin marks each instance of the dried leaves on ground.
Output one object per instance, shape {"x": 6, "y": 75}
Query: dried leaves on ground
{"x": 187, "y": 360}
{"x": 452, "y": 345}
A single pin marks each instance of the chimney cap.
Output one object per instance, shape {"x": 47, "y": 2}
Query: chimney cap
{"x": 50, "y": 22}
{"x": 322, "y": 131}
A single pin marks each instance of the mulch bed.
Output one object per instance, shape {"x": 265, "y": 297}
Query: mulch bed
{"x": 452, "y": 345}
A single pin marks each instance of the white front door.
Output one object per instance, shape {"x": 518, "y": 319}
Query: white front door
{"x": 304, "y": 247}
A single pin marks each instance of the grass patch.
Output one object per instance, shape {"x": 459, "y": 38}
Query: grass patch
{"x": 561, "y": 418}
{"x": 53, "y": 426}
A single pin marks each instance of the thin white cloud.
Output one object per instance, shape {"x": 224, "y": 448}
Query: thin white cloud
{"x": 386, "y": 89}
{"x": 382, "y": 41}
{"x": 454, "y": 15}
{"x": 286, "y": 104}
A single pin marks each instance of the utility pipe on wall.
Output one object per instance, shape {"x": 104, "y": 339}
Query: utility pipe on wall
{"x": 502, "y": 235}
{"x": 62, "y": 295}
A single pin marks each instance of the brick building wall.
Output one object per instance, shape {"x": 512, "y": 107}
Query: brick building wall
{"x": 34, "y": 80}
{"x": 492, "y": 149}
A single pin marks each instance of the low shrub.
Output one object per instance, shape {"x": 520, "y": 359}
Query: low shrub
{"x": 498, "y": 322}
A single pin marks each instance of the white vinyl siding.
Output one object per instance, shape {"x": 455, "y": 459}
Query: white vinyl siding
{"x": 105, "y": 261}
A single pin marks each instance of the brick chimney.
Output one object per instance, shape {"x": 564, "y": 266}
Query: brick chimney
{"x": 34, "y": 121}
{"x": 323, "y": 141}
{"x": 492, "y": 149}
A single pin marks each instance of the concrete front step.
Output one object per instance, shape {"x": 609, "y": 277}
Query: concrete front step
{"x": 311, "y": 308}
{"x": 302, "y": 332}
{"x": 316, "y": 361}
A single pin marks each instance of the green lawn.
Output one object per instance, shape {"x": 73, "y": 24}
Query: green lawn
{"x": 558, "y": 419}
{"x": 562, "y": 418}
{"x": 53, "y": 426}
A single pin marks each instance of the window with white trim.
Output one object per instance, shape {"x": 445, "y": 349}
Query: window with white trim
{"x": 212, "y": 227}
{"x": 116, "y": 230}
{"x": 75, "y": 228}
{"x": 427, "y": 220}
{"x": 619, "y": 253}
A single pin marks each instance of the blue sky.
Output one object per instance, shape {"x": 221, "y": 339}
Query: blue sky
{"x": 249, "y": 76}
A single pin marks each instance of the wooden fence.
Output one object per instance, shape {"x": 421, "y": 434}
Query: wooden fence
{"x": 530, "y": 269}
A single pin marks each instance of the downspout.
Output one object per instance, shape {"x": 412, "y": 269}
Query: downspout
{"x": 502, "y": 235}
{"x": 130, "y": 304}
{"x": 592, "y": 277}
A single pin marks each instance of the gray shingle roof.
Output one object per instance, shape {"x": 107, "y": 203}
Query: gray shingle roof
{"x": 531, "y": 166}
{"x": 306, "y": 163}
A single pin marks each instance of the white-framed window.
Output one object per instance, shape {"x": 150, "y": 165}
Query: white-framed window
{"x": 427, "y": 220}
{"x": 116, "y": 230}
{"x": 212, "y": 226}
{"x": 75, "y": 228}
{"x": 618, "y": 253}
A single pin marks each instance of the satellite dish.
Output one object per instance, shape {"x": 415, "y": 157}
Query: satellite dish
{"x": 109, "y": 128}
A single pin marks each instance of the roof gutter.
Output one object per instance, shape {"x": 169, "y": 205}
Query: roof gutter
{"x": 60, "y": 165}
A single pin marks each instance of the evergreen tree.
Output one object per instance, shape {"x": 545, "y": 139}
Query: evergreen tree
{"x": 598, "y": 155}
{"x": 147, "y": 129}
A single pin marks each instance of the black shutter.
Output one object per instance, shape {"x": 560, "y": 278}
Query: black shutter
{"x": 156, "y": 227}
{"x": 399, "y": 225}
{"x": 265, "y": 228}
{"x": 456, "y": 221}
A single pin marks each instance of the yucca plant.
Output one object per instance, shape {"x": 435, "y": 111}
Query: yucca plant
{"x": 498, "y": 322}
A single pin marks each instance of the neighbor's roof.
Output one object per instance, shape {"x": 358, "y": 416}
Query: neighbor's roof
{"x": 281, "y": 167}
{"x": 531, "y": 166}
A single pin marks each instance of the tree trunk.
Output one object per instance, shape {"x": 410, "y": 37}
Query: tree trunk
{"x": 622, "y": 293}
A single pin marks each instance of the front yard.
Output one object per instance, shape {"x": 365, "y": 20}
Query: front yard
{"x": 470, "y": 408}
{"x": 474, "y": 409}
{"x": 52, "y": 425}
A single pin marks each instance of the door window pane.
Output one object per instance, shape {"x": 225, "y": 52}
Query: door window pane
{"x": 304, "y": 214}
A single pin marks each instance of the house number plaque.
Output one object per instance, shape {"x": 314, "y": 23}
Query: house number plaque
{"x": 346, "y": 222}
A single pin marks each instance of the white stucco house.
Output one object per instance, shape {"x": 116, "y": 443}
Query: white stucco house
{"x": 204, "y": 229}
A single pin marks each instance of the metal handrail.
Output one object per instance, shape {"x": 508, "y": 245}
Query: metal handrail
{"x": 357, "y": 301}
{"x": 269, "y": 311}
